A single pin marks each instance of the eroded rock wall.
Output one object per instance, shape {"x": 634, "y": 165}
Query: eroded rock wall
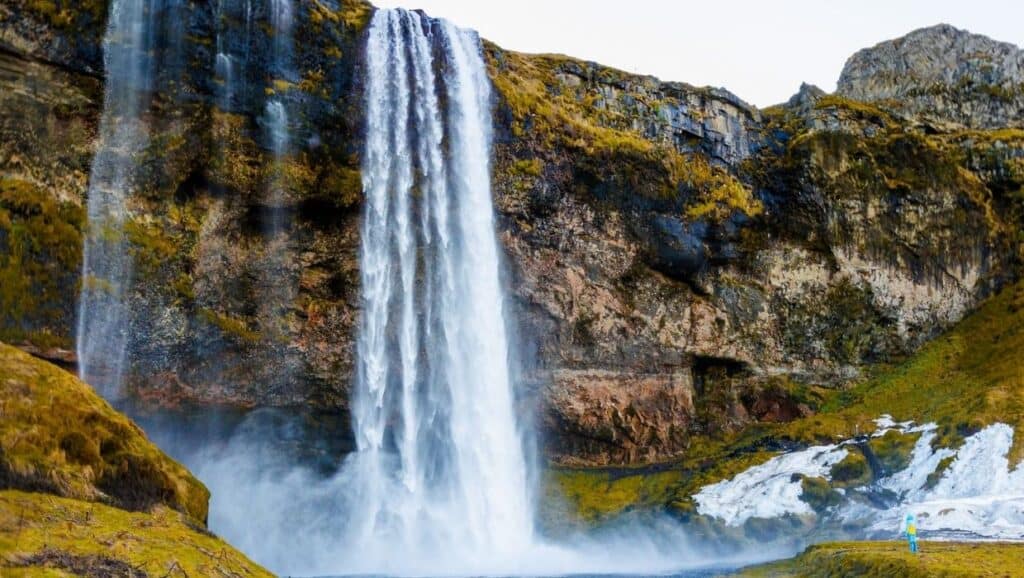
{"x": 681, "y": 263}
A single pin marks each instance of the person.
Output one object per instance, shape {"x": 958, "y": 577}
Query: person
{"x": 910, "y": 531}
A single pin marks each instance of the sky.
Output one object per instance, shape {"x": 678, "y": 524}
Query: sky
{"x": 759, "y": 50}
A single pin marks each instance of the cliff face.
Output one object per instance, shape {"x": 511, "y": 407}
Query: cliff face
{"x": 201, "y": 326}
{"x": 682, "y": 264}
{"x": 688, "y": 265}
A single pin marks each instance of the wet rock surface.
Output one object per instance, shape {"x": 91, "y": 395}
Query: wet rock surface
{"x": 681, "y": 263}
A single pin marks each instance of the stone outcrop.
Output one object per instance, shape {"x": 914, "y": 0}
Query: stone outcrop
{"x": 681, "y": 263}
{"x": 943, "y": 75}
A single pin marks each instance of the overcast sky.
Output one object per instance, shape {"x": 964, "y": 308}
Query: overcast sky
{"x": 759, "y": 49}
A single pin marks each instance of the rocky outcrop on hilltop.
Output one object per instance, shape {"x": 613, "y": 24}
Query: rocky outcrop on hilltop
{"x": 682, "y": 264}
{"x": 942, "y": 75}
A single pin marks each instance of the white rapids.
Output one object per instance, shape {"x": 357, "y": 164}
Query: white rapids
{"x": 979, "y": 495}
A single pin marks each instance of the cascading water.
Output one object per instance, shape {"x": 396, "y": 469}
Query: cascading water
{"x": 440, "y": 464}
{"x": 102, "y": 333}
{"x": 278, "y": 290}
{"x": 276, "y": 113}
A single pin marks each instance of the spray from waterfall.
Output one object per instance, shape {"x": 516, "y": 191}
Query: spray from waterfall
{"x": 103, "y": 319}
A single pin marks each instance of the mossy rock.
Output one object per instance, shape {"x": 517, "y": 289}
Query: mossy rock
{"x": 59, "y": 437}
{"x": 40, "y": 260}
{"x": 818, "y": 494}
{"x": 892, "y": 451}
{"x": 44, "y": 535}
{"x": 593, "y": 495}
{"x": 852, "y": 471}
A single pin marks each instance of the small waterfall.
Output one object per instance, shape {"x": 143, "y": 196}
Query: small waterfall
{"x": 103, "y": 320}
{"x": 440, "y": 473}
{"x": 276, "y": 117}
{"x": 278, "y": 287}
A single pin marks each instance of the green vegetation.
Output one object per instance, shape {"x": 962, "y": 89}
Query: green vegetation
{"x": 58, "y": 436}
{"x": 40, "y": 257}
{"x": 818, "y": 493}
{"x": 66, "y": 14}
{"x": 230, "y": 326}
{"x": 861, "y": 110}
{"x": 893, "y": 450}
{"x": 878, "y": 559}
{"x": 43, "y": 535}
{"x": 598, "y": 495}
{"x": 84, "y": 493}
{"x": 607, "y": 147}
{"x": 852, "y": 471}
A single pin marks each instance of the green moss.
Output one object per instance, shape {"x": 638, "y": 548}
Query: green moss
{"x": 852, "y": 471}
{"x": 151, "y": 245}
{"x": 39, "y": 534}
{"x": 355, "y": 14}
{"x": 883, "y": 559}
{"x": 861, "y": 110}
{"x": 818, "y": 494}
{"x": 239, "y": 165}
{"x": 594, "y": 495}
{"x": 66, "y": 14}
{"x": 230, "y": 326}
{"x": 893, "y": 451}
{"x": 609, "y": 152}
{"x": 40, "y": 257}
{"x": 940, "y": 470}
{"x": 58, "y": 436}
{"x": 529, "y": 167}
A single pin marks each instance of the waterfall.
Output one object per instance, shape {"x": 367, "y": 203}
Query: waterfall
{"x": 102, "y": 333}
{"x": 276, "y": 113}
{"x": 440, "y": 465}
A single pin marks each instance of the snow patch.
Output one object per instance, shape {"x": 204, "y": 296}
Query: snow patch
{"x": 977, "y": 496}
{"x": 769, "y": 490}
{"x": 980, "y": 495}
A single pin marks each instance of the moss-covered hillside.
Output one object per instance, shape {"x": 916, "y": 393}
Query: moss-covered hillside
{"x": 83, "y": 492}
{"x": 58, "y": 436}
{"x": 880, "y": 559}
{"x": 47, "y": 536}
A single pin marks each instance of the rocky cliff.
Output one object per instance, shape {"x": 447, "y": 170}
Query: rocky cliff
{"x": 683, "y": 264}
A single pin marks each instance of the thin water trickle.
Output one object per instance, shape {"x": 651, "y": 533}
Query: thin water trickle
{"x": 102, "y": 332}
